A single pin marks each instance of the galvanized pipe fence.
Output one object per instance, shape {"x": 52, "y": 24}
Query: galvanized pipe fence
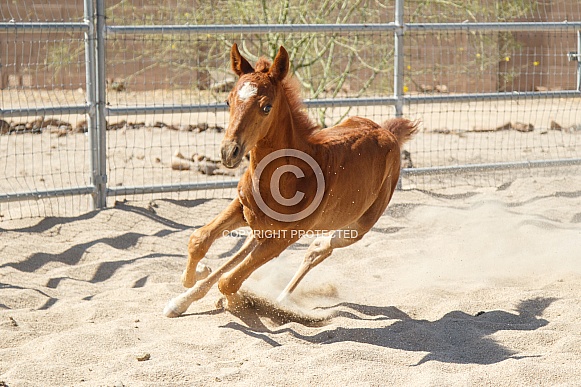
{"x": 96, "y": 31}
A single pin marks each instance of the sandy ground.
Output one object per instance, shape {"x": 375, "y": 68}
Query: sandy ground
{"x": 471, "y": 287}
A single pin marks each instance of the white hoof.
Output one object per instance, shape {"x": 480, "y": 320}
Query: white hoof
{"x": 170, "y": 311}
{"x": 202, "y": 271}
{"x": 174, "y": 308}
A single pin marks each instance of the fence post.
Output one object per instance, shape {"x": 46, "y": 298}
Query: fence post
{"x": 578, "y": 61}
{"x": 100, "y": 181}
{"x": 91, "y": 100}
{"x": 398, "y": 65}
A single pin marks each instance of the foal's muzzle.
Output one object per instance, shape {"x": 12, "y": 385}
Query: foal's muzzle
{"x": 232, "y": 153}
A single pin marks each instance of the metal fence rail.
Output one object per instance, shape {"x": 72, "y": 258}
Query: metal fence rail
{"x": 101, "y": 104}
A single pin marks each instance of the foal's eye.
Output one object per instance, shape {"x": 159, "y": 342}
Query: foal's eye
{"x": 266, "y": 108}
{"x": 227, "y": 103}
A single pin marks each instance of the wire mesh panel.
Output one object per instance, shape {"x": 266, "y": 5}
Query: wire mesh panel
{"x": 43, "y": 142}
{"x": 42, "y": 11}
{"x": 530, "y": 121}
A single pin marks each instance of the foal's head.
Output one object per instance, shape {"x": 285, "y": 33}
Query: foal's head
{"x": 253, "y": 103}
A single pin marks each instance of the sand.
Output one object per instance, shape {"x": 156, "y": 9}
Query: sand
{"x": 474, "y": 286}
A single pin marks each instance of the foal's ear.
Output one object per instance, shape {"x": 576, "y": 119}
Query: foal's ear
{"x": 279, "y": 67}
{"x": 239, "y": 64}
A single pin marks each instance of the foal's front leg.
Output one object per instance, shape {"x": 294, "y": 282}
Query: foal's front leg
{"x": 178, "y": 305}
{"x": 201, "y": 240}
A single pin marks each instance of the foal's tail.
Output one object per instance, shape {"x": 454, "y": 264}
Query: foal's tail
{"x": 402, "y": 128}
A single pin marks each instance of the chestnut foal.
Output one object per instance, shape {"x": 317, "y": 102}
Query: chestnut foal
{"x": 341, "y": 180}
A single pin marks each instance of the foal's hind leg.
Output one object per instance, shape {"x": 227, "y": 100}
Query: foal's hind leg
{"x": 320, "y": 249}
{"x": 201, "y": 240}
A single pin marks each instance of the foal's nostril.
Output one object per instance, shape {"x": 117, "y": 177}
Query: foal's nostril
{"x": 235, "y": 151}
{"x": 231, "y": 154}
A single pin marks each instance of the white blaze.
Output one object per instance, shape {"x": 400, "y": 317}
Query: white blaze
{"x": 247, "y": 90}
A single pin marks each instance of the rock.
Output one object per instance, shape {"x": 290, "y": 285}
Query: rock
{"x": 4, "y": 127}
{"x": 225, "y": 172}
{"x": 555, "y": 126}
{"x": 18, "y": 128}
{"x": 522, "y": 127}
{"x": 207, "y": 167}
{"x": 187, "y": 128}
{"x": 62, "y": 131}
{"x": 518, "y": 126}
{"x": 119, "y": 125}
{"x": 115, "y": 84}
{"x": 197, "y": 157}
{"x": 202, "y": 127}
{"x": 426, "y": 88}
{"x": 136, "y": 125}
{"x": 479, "y": 129}
{"x": 55, "y": 122}
{"x": 180, "y": 164}
{"x": 506, "y": 126}
{"x": 81, "y": 127}
{"x": 441, "y": 131}
{"x": 143, "y": 357}
{"x": 541, "y": 88}
{"x": 179, "y": 155}
{"x": 442, "y": 89}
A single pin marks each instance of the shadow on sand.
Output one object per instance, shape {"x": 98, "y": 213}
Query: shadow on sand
{"x": 457, "y": 337}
